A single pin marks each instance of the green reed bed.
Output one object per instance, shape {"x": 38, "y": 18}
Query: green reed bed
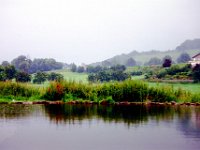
{"x": 18, "y": 91}
{"x": 129, "y": 90}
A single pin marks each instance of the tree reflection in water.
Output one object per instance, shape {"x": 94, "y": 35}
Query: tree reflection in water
{"x": 127, "y": 114}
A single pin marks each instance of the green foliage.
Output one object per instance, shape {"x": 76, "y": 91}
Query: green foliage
{"x": 129, "y": 90}
{"x": 183, "y": 58}
{"x": 167, "y": 62}
{"x": 118, "y": 68}
{"x": 154, "y": 61}
{"x": 22, "y": 77}
{"x": 106, "y": 76}
{"x": 117, "y": 91}
{"x": 10, "y": 72}
{"x": 55, "y": 91}
{"x": 196, "y": 73}
{"x": 18, "y": 90}
{"x": 2, "y": 74}
{"x": 115, "y": 73}
{"x": 40, "y": 77}
{"x": 136, "y": 73}
{"x": 80, "y": 69}
{"x": 5, "y": 63}
{"x": 182, "y": 71}
{"x": 53, "y": 76}
{"x": 24, "y": 64}
{"x": 73, "y": 67}
{"x": 96, "y": 69}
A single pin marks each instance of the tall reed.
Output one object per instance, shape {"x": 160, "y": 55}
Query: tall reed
{"x": 16, "y": 90}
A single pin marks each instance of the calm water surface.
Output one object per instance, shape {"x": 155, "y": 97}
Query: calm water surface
{"x": 69, "y": 127}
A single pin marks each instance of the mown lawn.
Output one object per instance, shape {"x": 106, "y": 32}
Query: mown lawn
{"x": 192, "y": 87}
{"x": 73, "y": 76}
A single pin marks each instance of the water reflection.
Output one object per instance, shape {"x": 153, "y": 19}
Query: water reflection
{"x": 189, "y": 122}
{"x": 47, "y": 127}
{"x": 126, "y": 114}
{"x": 16, "y": 111}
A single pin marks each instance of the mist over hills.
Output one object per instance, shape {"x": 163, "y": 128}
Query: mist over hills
{"x": 191, "y": 47}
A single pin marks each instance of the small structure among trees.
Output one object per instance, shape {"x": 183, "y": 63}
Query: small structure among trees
{"x": 195, "y": 60}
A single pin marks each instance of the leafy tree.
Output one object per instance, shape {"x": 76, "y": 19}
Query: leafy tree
{"x": 118, "y": 68}
{"x": 73, "y": 67}
{"x": 92, "y": 78}
{"x": 167, "y": 61}
{"x": 154, "y": 61}
{"x": 196, "y": 73}
{"x": 80, "y": 69}
{"x": 10, "y": 72}
{"x": 23, "y": 77}
{"x": 104, "y": 76}
{"x": 2, "y": 74}
{"x": 89, "y": 69}
{"x": 96, "y": 69}
{"x": 131, "y": 62}
{"x": 22, "y": 63}
{"x": 183, "y": 58}
{"x": 40, "y": 77}
{"x": 5, "y": 63}
{"x": 108, "y": 75}
{"x": 119, "y": 76}
{"x": 41, "y": 64}
{"x": 55, "y": 77}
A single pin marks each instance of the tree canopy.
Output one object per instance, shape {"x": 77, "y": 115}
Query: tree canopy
{"x": 183, "y": 58}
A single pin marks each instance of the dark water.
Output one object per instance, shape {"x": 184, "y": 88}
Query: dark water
{"x": 68, "y": 127}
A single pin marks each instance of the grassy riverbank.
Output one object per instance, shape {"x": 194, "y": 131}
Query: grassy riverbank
{"x": 131, "y": 91}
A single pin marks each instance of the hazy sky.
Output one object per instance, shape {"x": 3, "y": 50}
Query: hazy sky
{"x": 94, "y": 30}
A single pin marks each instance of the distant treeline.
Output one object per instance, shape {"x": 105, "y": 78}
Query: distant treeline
{"x": 9, "y": 72}
{"x": 25, "y": 64}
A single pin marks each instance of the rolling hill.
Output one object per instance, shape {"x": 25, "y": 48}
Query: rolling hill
{"x": 191, "y": 47}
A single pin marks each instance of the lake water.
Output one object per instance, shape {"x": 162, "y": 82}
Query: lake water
{"x": 79, "y": 127}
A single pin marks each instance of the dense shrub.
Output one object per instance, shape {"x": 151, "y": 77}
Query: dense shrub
{"x": 22, "y": 77}
{"x": 54, "y": 92}
{"x": 53, "y": 76}
{"x": 196, "y": 73}
{"x": 129, "y": 90}
{"x": 17, "y": 90}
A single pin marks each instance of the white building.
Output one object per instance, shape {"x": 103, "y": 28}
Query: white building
{"x": 195, "y": 60}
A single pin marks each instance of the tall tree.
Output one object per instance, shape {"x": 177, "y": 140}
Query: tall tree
{"x": 2, "y": 74}
{"x": 183, "y": 58}
{"x": 196, "y": 73}
{"x": 154, "y": 61}
{"x": 73, "y": 67}
{"x": 80, "y": 69}
{"x": 5, "y": 63}
{"x": 40, "y": 77}
{"x": 167, "y": 61}
{"x": 22, "y": 63}
{"x": 23, "y": 77}
{"x": 10, "y": 72}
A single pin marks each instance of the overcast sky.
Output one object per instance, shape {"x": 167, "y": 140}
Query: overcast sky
{"x": 93, "y": 30}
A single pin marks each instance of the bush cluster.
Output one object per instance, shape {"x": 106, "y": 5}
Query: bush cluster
{"x": 129, "y": 90}
{"x": 13, "y": 90}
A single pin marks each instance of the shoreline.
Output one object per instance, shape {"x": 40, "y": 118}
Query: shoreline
{"x": 105, "y": 103}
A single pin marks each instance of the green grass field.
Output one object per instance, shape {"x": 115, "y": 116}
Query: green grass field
{"x": 192, "y": 87}
{"x": 73, "y": 76}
